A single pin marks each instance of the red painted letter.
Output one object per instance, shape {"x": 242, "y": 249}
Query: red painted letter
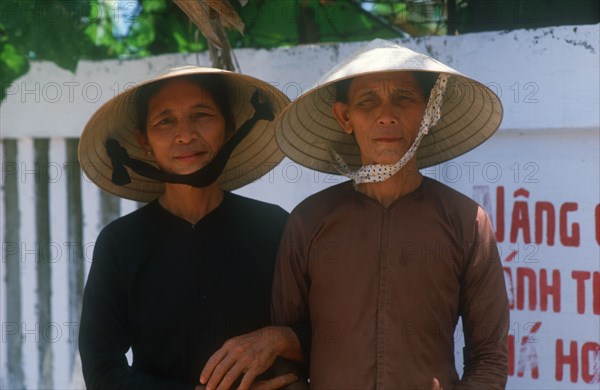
{"x": 548, "y": 209}
{"x": 565, "y": 238}
{"x": 550, "y": 289}
{"x": 522, "y": 274}
{"x": 593, "y": 375}
{"x": 562, "y": 359}
{"x": 580, "y": 277}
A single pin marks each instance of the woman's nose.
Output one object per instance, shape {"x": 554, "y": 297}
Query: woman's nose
{"x": 387, "y": 115}
{"x": 186, "y": 133}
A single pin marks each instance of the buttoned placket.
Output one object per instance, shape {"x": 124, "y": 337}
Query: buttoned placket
{"x": 382, "y": 297}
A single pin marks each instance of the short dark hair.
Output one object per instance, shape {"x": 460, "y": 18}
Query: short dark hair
{"x": 425, "y": 79}
{"x": 213, "y": 84}
{"x": 341, "y": 90}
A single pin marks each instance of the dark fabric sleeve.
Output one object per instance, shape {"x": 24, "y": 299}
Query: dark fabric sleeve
{"x": 303, "y": 332}
{"x": 284, "y": 366}
{"x": 103, "y": 334}
{"x": 484, "y": 311}
{"x": 289, "y": 300}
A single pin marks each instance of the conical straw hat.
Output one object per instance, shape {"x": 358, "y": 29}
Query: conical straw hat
{"x": 256, "y": 154}
{"x": 307, "y": 129}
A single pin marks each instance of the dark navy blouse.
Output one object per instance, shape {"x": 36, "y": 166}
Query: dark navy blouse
{"x": 173, "y": 292}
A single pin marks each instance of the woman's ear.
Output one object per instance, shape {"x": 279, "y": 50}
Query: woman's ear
{"x": 142, "y": 139}
{"x": 340, "y": 111}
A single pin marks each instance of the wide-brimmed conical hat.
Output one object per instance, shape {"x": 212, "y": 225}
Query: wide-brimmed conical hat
{"x": 306, "y": 130}
{"x": 254, "y": 156}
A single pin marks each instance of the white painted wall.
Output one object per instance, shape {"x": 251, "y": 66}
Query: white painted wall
{"x": 548, "y": 144}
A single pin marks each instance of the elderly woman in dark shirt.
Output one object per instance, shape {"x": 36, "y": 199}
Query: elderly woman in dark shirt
{"x": 192, "y": 268}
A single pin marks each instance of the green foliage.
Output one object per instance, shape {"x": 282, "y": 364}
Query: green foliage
{"x": 65, "y": 31}
{"x": 13, "y": 64}
{"x": 290, "y": 22}
{"x": 417, "y": 18}
{"x": 38, "y": 30}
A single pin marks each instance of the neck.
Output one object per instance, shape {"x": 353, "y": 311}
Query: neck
{"x": 402, "y": 183}
{"x": 191, "y": 203}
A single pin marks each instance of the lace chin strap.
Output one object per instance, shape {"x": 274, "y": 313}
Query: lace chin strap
{"x": 380, "y": 172}
{"x": 202, "y": 177}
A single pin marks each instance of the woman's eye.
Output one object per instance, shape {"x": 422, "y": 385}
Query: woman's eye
{"x": 404, "y": 99}
{"x": 165, "y": 121}
{"x": 200, "y": 115}
{"x": 366, "y": 102}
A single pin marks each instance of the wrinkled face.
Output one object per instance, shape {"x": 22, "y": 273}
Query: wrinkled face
{"x": 384, "y": 112}
{"x": 185, "y": 128}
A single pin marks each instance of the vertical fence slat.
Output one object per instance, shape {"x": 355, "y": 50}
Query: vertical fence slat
{"x": 75, "y": 238}
{"x": 12, "y": 256}
{"x": 43, "y": 266}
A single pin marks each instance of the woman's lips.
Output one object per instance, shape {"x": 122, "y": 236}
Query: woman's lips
{"x": 388, "y": 139}
{"x": 189, "y": 156}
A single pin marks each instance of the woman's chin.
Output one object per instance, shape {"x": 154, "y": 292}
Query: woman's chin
{"x": 184, "y": 169}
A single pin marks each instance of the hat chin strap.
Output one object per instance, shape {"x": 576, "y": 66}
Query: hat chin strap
{"x": 381, "y": 172}
{"x": 202, "y": 177}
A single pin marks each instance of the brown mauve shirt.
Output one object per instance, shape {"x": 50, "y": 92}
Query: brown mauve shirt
{"x": 375, "y": 294}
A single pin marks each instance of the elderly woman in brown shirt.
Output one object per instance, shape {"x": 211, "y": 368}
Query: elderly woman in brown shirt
{"x": 373, "y": 274}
